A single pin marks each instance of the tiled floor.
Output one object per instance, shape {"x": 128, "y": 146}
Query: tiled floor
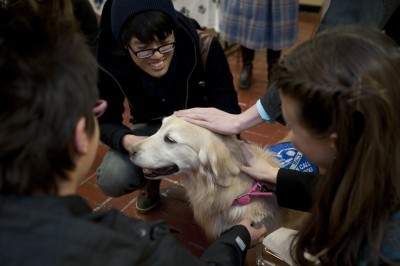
{"x": 174, "y": 208}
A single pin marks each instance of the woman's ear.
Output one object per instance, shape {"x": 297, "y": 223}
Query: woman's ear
{"x": 81, "y": 142}
{"x": 332, "y": 139}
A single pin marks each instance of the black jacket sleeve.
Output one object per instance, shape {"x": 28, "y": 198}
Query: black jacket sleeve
{"x": 294, "y": 189}
{"x": 111, "y": 124}
{"x": 230, "y": 248}
{"x": 271, "y": 103}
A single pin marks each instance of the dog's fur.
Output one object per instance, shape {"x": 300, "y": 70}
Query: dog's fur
{"x": 208, "y": 164}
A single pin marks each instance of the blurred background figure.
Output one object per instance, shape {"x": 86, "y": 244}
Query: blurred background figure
{"x": 384, "y": 15}
{"x": 259, "y": 24}
{"x": 79, "y": 11}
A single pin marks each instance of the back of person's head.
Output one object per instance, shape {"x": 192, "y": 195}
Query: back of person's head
{"x": 47, "y": 83}
{"x": 143, "y": 19}
{"x": 346, "y": 81}
{"x": 54, "y": 7}
{"x": 60, "y": 7}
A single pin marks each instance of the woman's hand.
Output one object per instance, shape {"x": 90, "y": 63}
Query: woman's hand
{"x": 257, "y": 167}
{"x": 220, "y": 121}
{"x": 212, "y": 119}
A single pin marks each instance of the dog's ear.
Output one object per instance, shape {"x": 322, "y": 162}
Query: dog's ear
{"x": 216, "y": 158}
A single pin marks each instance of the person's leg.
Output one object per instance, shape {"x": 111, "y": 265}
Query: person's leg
{"x": 117, "y": 175}
{"x": 272, "y": 60}
{"x": 247, "y": 67}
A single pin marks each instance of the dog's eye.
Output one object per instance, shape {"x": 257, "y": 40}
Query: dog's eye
{"x": 168, "y": 139}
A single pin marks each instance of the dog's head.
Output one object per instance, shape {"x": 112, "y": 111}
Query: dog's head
{"x": 185, "y": 149}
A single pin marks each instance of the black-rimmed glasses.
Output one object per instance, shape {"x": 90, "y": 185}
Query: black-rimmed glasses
{"x": 146, "y": 53}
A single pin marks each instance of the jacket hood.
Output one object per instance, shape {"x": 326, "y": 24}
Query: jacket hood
{"x": 123, "y": 10}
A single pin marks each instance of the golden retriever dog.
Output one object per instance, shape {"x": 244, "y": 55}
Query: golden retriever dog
{"x": 208, "y": 165}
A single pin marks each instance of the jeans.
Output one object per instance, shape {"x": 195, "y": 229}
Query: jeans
{"x": 117, "y": 175}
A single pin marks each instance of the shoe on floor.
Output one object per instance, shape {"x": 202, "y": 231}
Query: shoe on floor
{"x": 245, "y": 77}
{"x": 149, "y": 197}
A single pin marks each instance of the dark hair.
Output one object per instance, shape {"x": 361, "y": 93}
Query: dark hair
{"x": 48, "y": 82}
{"x": 346, "y": 81}
{"x": 147, "y": 26}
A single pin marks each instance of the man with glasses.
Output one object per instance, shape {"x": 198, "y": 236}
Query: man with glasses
{"x": 148, "y": 54}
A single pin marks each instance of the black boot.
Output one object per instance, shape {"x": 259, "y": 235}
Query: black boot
{"x": 149, "y": 197}
{"x": 247, "y": 62}
{"x": 271, "y": 67}
{"x": 272, "y": 60}
{"x": 245, "y": 77}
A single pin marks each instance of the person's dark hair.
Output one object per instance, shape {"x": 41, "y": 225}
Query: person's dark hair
{"x": 47, "y": 83}
{"x": 147, "y": 26}
{"x": 346, "y": 81}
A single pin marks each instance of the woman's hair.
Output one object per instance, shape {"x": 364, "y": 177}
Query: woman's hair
{"x": 48, "y": 82}
{"x": 147, "y": 26}
{"x": 347, "y": 81}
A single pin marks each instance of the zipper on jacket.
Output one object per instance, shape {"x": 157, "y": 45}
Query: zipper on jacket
{"x": 119, "y": 85}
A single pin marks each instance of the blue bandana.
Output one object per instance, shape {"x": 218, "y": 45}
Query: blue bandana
{"x": 289, "y": 157}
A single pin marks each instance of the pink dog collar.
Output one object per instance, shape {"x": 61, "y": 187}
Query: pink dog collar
{"x": 254, "y": 193}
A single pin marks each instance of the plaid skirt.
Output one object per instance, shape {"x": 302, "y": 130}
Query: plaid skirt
{"x": 258, "y": 24}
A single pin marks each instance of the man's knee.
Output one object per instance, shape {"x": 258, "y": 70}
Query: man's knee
{"x": 117, "y": 176}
